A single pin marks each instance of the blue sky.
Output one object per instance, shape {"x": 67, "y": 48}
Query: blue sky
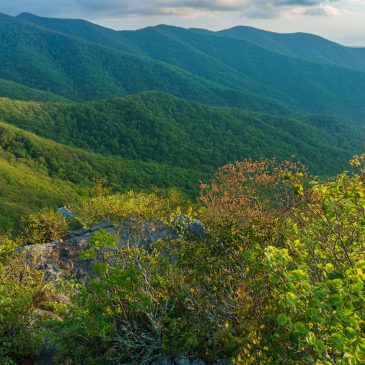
{"x": 339, "y": 20}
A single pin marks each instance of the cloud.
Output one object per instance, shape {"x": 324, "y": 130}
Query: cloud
{"x": 285, "y": 8}
{"x": 127, "y": 8}
{"x": 324, "y": 10}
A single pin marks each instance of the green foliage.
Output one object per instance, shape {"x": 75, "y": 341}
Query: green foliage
{"x": 7, "y": 246}
{"x": 45, "y": 226}
{"x": 182, "y": 296}
{"x": 20, "y": 289}
{"x": 119, "y": 207}
{"x": 321, "y": 294}
{"x": 283, "y": 290}
{"x": 99, "y": 241}
{"x": 156, "y": 308}
{"x": 102, "y": 239}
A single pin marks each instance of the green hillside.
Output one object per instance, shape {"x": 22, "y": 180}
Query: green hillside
{"x": 164, "y": 129}
{"x": 308, "y": 86}
{"x": 25, "y": 188}
{"x": 81, "y": 70}
{"x": 306, "y": 46}
{"x": 23, "y": 191}
{"x": 36, "y": 172}
{"x": 91, "y": 62}
{"x": 12, "y": 90}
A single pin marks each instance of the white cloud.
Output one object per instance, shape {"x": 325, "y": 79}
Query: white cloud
{"x": 128, "y": 8}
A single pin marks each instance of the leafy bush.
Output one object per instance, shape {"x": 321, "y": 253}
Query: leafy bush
{"x": 277, "y": 281}
{"x": 253, "y": 190}
{"x": 21, "y": 287}
{"x": 45, "y": 226}
{"x": 184, "y": 296}
{"x": 312, "y": 281}
{"x": 7, "y": 246}
{"x": 120, "y": 207}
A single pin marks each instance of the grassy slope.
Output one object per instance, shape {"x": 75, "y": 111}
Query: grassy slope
{"x": 23, "y": 190}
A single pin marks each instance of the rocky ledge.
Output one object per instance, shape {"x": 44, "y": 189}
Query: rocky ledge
{"x": 61, "y": 258}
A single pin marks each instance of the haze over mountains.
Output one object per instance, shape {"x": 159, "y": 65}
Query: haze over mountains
{"x": 202, "y": 99}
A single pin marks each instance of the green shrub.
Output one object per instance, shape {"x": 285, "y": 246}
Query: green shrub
{"x": 45, "y": 226}
{"x": 7, "y": 246}
{"x": 21, "y": 287}
{"x": 287, "y": 288}
{"x": 181, "y": 297}
{"x": 312, "y": 282}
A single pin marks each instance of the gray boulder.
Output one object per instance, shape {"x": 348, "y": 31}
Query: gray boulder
{"x": 194, "y": 228}
{"x": 61, "y": 258}
{"x": 182, "y": 360}
{"x": 67, "y": 213}
{"x": 197, "y": 362}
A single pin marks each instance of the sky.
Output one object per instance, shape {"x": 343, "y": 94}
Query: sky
{"x": 339, "y": 20}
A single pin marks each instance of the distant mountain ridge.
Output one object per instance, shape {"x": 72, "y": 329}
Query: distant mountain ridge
{"x": 215, "y": 68}
{"x": 81, "y": 70}
{"x": 303, "y": 45}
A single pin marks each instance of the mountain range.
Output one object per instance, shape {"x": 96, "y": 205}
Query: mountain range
{"x": 165, "y": 106}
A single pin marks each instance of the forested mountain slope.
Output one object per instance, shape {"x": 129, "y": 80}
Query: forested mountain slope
{"x": 165, "y": 106}
{"x": 157, "y": 127}
{"x": 308, "y": 86}
{"x": 204, "y": 66}
{"x": 81, "y": 70}
{"x": 303, "y": 45}
{"x": 16, "y": 91}
{"x": 37, "y": 172}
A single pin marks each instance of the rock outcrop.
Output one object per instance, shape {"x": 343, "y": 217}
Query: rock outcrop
{"x": 61, "y": 258}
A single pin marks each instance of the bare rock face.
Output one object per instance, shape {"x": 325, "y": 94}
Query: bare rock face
{"x": 61, "y": 259}
{"x": 67, "y": 213}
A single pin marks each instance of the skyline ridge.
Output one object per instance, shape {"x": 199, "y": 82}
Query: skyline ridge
{"x": 22, "y": 15}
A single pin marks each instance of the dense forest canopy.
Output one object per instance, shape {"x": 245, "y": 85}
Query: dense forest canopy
{"x": 153, "y": 139}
